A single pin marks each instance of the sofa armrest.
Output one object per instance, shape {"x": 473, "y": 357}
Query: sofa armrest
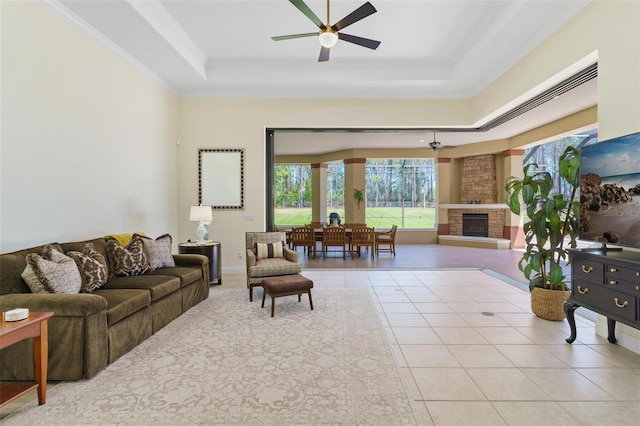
{"x": 66, "y": 305}
{"x": 190, "y": 259}
{"x": 78, "y": 336}
{"x": 194, "y": 261}
{"x": 291, "y": 255}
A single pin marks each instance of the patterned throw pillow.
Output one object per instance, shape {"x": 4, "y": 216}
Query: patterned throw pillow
{"x": 53, "y": 272}
{"x": 127, "y": 261}
{"x": 269, "y": 250}
{"x": 158, "y": 251}
{"x": 92, "y": 266}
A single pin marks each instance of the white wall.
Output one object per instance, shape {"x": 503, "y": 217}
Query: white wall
{"x": 87, "y": 141}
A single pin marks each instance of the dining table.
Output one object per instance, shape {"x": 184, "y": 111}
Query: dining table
{"x": 318, "y": 233}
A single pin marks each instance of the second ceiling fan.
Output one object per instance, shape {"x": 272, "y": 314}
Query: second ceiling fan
{"x": 437, "y": 146}
{"x": 329, "y": 34}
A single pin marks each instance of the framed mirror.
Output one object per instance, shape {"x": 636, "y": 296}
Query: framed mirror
{"x": 221, "y": 178}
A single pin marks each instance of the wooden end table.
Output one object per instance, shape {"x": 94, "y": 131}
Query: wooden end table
{"x": 11, "y": 332}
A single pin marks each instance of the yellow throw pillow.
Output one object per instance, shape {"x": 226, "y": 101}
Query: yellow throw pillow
{"x": 124, "y": 239}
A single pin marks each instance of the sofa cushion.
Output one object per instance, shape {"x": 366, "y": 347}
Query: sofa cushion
{"x": 187, "y": 275}
{"x": 51, "y": 272}
{"x": 273, "y": 267}
{"x": 123, "y": 302}
{"x": 127, "y": 261}
{"x": 157, "y": 285}
{"x": 92, "y": 266}
{"x": 269, "y": 250}
{"x": 158, "y": 251}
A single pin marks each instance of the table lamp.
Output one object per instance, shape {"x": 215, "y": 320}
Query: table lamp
{"x": 202, "y": 215}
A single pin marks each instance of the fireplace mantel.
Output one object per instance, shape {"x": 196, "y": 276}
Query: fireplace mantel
{"x": 473, "y": 206}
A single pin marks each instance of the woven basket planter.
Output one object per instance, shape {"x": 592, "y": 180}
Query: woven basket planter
{"x": 548, "y": 304}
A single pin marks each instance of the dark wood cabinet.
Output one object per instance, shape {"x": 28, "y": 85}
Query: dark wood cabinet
{"x": 213, "y": 251}
{"x": 606, "y": 281}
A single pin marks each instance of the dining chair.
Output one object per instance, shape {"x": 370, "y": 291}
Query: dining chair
{"x": 354, "y": 225}
{"x": 305, "y": 237}
{"x": 386, "y": 241}
{"x": 317, "y": 226}
{"x": 334, "y": 236}
{"x": 362, "y": 237}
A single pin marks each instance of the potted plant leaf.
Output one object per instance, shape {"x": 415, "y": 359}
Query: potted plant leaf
{"x": 358, "y": 194}
{"x": 550, "y": 219}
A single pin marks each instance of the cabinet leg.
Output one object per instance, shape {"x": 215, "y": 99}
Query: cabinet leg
{"x": 611, "y": 330}
{"x": 569, "y": 311}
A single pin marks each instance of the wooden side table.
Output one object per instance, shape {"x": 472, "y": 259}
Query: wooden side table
{"x": 11, "y": 332}
{"x": 211, "y": 249}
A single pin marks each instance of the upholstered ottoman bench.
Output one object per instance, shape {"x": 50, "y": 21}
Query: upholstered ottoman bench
{"x": 287, "y": 285}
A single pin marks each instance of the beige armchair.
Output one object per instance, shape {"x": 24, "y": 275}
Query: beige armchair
{"x": 259, "y": 268}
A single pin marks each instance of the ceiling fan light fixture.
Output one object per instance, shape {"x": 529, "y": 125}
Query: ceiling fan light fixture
{"x": 327, "y": 38}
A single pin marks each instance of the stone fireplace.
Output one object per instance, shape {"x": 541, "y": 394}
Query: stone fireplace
{"x": 478, "y": 196}
{"x": 479, "y": 180}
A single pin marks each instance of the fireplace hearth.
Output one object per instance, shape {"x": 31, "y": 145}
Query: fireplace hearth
{"x": 475, "y": 224}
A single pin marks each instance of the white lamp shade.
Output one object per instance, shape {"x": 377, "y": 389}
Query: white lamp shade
{"x": 200, "y": 214}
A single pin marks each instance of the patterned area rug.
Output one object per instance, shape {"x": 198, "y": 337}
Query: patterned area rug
{"x": 226, "y": 361}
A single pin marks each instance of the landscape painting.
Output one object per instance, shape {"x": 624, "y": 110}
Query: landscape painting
{"x": 610, "y": 191}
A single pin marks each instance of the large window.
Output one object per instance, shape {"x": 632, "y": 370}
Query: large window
{"x": 292, "y": 194}
{"x": 401, "y": 192}
{"x": 398, "y": 192}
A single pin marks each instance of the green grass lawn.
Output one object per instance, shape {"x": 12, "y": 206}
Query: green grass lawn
{"x": 378, "y": 217}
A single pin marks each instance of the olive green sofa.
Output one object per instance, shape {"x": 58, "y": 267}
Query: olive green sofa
{"x": 91, "y": 330}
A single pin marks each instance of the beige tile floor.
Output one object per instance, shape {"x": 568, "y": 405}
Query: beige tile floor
{"x": 472, "y": 353}
{"x": 470, "y": 350}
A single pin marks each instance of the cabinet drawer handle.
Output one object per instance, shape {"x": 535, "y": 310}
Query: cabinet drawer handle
{"x": 613, "y": 270}
{"x": 638, "y": 287}
{"x": 613, "y": 282}
{"x": 587, "y": 270}
{"x": 581, "y": 291}
{"x": 623, "y": 305}
{"x": 637, "y": 274}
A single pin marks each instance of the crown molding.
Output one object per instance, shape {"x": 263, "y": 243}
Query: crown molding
{"x": 161, "y": 20}
{"x": 87, "y": 29}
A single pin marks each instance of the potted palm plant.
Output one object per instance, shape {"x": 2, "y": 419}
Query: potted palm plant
{"x": 550, "y": 220}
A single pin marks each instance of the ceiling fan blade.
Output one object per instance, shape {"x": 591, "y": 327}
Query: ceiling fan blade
{"x": 365, "y": 42}
{"x": 302, "y": 7}
{"x": 358, "y": 14}
{"x": 291, "y": 36}
{"x": 324, "y": 54}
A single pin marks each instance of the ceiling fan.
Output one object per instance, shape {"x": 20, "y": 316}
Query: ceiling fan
{"x": 329, "y": 34}
{"x": 437, "y": 146}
